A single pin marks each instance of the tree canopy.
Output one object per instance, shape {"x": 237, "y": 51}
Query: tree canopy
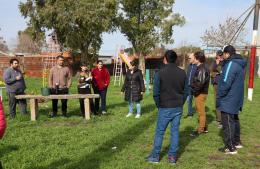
{"x": 78, "y": 24}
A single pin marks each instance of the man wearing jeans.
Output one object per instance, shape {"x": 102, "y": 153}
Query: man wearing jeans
{"x": 101, "y": 80}
{"x": 190, "y": 73}
{"x": 230, "y": 97}
{"x": 170, "y": 91}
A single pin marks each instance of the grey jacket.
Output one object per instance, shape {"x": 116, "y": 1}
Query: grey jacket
{"x": 13, "y": 85}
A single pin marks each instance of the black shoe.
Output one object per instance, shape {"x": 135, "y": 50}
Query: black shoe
{"x": 226, "y": 150}
{"x": 52, "y": 115}
{"x": 64, "y": 115}
{"x": 205, "y": 130}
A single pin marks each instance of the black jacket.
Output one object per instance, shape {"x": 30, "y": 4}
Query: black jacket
{"x": 170, "y": 87}
{"x": 133, "y": 86}
{"x": 200, "y": 81}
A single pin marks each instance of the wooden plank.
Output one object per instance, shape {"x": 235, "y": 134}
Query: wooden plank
{"x": 33, "y": 109}
{"x": 87, "y": 109}
{"x": 67, "y": 96}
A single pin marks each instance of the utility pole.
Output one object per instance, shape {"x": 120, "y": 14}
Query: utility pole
{"x": 253, "y": 51}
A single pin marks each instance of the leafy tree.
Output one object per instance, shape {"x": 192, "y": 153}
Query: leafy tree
{"x": 78, "y": 24}
{"x": 222, "y": 34}
{"x": 147, "y": 24}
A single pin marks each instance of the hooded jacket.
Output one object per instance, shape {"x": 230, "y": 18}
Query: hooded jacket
{"x": 230, "y": 93}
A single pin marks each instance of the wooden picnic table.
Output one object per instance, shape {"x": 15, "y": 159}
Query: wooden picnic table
{"x": 35, "y": 98}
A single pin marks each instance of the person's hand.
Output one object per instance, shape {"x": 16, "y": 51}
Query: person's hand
{"x": 122, "y": 93}
{"x": 142, "y": 93}
{"x": 18, "y": 77}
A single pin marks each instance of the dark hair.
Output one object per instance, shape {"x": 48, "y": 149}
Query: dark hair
{"x": 219, "y": 53}
{"x": 170, "y": 56}
{"x": 199, "y": 55}
{"x": 83, "y": 64}
{"x": 59, "y": 56}
{"x": 229, "y": 49}
{"x": 12, "y": 61}
{"x": 134, "y": 62}
{"x": 99, "y": 61}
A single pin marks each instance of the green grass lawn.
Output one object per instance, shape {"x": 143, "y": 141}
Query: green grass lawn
{"x": 74, "y": 143}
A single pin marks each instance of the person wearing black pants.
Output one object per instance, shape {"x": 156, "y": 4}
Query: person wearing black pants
{"x": 63, "y": 101}
{"x": 231, "y": 130}
{"x": 84, "y": 83}
{"x": 230, "y": 97}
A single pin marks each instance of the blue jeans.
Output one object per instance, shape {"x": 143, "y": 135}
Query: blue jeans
{"x": 165, "y": 116}
{"x": 103, "y": 96}
{"x": 189, "y": 100}
{"x": 131, "y": 107}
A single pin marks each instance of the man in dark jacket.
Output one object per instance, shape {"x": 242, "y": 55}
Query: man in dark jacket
{"x": 190, "y": 73}
{"x": 170, "y": 92}
{"x": 15, "y": 85}
{"x": 230, "y": 97}
{"x": 200, "y": 86}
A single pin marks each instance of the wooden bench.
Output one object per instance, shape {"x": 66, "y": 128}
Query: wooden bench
{"x": 35, "y": 98}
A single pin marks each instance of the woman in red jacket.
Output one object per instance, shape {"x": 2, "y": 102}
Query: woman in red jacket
{"x": 2, "y": 120}
{"x": 2, "y": 123}
{"x": 101, "y": 80}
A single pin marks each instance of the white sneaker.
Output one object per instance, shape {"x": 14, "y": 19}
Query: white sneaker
{"x": 137, "y": 116}
{"x": 129, "y": 114}
{"x": 104, "y": 112}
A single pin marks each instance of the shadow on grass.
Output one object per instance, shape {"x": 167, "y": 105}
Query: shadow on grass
{"x": 55, "y": 164}
{"x": 185, "y": 138}
{"x": 7, "y": 149}
{"x": 104, "y": 153}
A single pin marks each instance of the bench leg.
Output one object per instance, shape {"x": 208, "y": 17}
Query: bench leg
{"x": 87, "y": 109}
{"x": 34, "y": 109}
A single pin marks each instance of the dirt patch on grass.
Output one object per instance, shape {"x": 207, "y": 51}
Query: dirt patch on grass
{"x": 216, "y": 158}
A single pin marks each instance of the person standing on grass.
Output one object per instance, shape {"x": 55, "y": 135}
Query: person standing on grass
{"x": 169, "y": 93}
{"x": 190, "y": 73}
{"x": 84, "y": 86}
{"x": 2, "y": 123}
{"x": 200, "y": 86}
{"x": 134, "y": 88}
{"x": 15, "y": 85}
{"x": 215, "y": 74}
{"x": 101, "y": 80}
{"x": 59, "y": 83}
{"x": 230, "y": 98}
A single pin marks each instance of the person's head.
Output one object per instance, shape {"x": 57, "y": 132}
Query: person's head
{"x": 99, "y": 64}
{"x": 169, "y": 57}
{"x": 191, "y": 58}
{"x": 228, "y": 51}
{"x": 84, "y": 66}
{"x": 60, "y": 60}
{"x": 14, "y": 63}
{"x": 219, "y": 55}
{"x": 199, "y": 57}
{"x": 134, "y": 64}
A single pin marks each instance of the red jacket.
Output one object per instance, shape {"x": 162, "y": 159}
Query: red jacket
{"x": 2, "y": 120}
{"x": 101, "y": 78}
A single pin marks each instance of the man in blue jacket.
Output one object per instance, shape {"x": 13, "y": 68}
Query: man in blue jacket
{"x": 169, "y": 94}
{"x": 230, "y": 97}
{"x": 190, "y": 73}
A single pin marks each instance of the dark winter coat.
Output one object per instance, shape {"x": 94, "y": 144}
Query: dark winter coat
{"x": 230, "y": 93}
{"x": 200, "y": 81}
{"x": 133, "y": 86}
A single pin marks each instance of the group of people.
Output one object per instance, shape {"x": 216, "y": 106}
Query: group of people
{"x": 59, "y": 83}
{"x": 172, "y": 86}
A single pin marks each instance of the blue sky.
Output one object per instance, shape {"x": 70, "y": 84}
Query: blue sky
{"x": 199, "y": 14}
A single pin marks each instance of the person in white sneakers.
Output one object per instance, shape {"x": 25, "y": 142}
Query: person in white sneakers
{"x": 134, "y": 88}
